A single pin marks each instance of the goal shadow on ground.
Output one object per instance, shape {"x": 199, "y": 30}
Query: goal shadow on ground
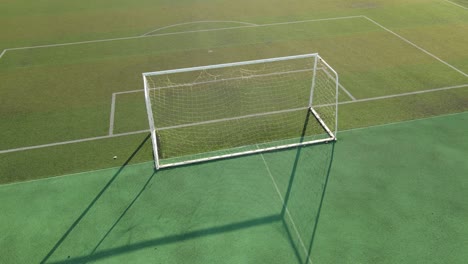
{"x": 96, "y": 199}
{"x": 287, "y": 167}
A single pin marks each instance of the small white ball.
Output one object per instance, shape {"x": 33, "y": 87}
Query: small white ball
{"x": 115, "y": 157}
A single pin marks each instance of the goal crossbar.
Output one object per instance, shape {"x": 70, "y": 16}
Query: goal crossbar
{"x": 314, "y": 108}
{"x": 232, "y": 64}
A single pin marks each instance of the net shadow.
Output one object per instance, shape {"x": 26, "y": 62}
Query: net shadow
{"x": 292, "y": 169}
{"x": 302, "y": 177}
{"x": 96, "y": 199}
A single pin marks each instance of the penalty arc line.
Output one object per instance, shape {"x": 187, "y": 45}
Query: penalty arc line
{"x": 199, "y": 22}
{"x": 180, "y": 33}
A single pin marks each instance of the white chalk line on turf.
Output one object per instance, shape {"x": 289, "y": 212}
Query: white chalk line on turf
{"x": 199, "y": 22}
{"x": 453, "y": 3}
{"x": 146, "y": 131}
{"x": 402, "y": 122}
{"x": 112, "y": 113}
{"x": 286, "y": 209}
{"x": 72, "y": 141}
{"x": 416, "y": 46}
{"x": 151, "y": 162}
{"x": 236, "y": 78}
{"x": 339, "y": 84}
{"x": 179, "y": 33}
{"x": 3, "y": 52}
{"x": 406, "y": 94}
{"x": 246, "y": 26}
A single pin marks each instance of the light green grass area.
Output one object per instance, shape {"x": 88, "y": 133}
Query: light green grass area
{"x": 350, "y": 202}
{"x": 82, "y": 78}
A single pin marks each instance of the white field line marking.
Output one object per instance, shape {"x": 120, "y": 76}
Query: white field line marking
{"x": 406, "y": 94}
{"x": 453, "y": 3}
{"x": 416, "y": 46}
{"x": 339, "y": 84}
{"x": 3, "y": 52}
{"x": 347, "y": 92}
{"x": 73, "y": 141}
{"x": 213, "y": 81}
{"x": 179, "y": 33}
{"x": 151, "y": 162}
{"x": 145, "y": 131}
{"x": 141, "y": 131}
{"x": 131, "y": 91}
{"x": 287, "y": 210}
{"x": 231, "y": 118}
{"x": 199, "y": 22}
{"x": 230, "y": 79}
{"x": 402, "y": 122}
{"x": 112, "y": 113}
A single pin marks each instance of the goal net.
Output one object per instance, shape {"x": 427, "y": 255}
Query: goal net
{"x": 218, "y": 111}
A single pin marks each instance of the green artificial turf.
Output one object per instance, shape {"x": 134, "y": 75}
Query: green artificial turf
{"x": 387, "y": 194}
{"x": 63, "y": 93}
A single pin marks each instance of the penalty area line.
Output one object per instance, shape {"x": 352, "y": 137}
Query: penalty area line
{"x": 73, "y": 141}
{"x": 453, "y": 3}
{"x": 147, "y": 131}
{"x": 112, "y": 113}
{"x": 180, "y": 33}
{"x": 3, "y": 52}
{"x": 416, "y": 46}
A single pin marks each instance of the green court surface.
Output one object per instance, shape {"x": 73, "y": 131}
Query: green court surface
{"x": 387, "y": 194}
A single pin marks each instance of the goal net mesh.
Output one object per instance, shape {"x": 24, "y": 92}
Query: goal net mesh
{"x": 210, "y": 112}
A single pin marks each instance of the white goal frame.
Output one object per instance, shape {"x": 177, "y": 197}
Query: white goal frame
{"x": 331, "y": 133}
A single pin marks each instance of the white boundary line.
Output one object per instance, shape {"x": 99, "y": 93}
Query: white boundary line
{"x": 179, "y": 33}
{"x": 73, "y": 141}
{"x": 416, "y": 46}
{"x": 347, "y": 92}
{"x": 3, "y": 52}
{"x": 232, "y": 118}
{"x": 112, "y": 113}
{"x": 146, "y": 131}
{"x": 200, "y": 22}
{"x": 406, "y": 94}
{"x": 287, "y": 210}
{"x": 141, "y": 163}
{"x": 246, "y": 26}
{"x": 453, "y": 3}
{"x": 339, "y": 84}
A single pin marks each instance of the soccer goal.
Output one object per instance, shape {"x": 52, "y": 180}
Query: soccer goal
{"x": 226, "y": 110}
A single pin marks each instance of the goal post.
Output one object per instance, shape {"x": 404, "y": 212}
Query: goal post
{"x": 226, "y": 110}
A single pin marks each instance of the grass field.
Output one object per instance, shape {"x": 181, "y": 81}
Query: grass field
{"x": 71, "y": 99}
